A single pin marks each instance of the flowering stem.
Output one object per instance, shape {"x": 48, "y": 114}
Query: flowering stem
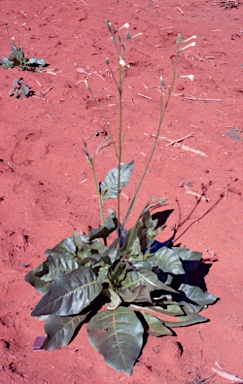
{"x": 161, "y": 119}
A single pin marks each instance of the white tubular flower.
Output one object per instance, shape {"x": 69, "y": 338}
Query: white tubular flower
{"x": 138, "y": 34}
{"x": 191, "y": 77}
{"x": 188, "y": 46}
{"x": 122, "y": 62}
{"x": 126, "y": 25}
{"x": 190, "y": 38}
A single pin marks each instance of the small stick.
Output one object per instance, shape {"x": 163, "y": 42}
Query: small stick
{"x": 200, "y": 98}
{"x": 179, "y": 9}
{"x": 165, "y": 28}
{"x": 124, "y": 195}
{"x": 146, "y": 97}
{"x": 226, "y": 191}
{"x": 83, "y": 181}
{"x": 38, "y": 83}
{"x": 182, "y": 146}
{"x": 189, "y": 149}
{"x": 45, "y": 92}
{"x": 179, "y": 140}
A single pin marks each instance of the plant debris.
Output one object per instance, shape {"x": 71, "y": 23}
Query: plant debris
{"x": 17, "y": 59}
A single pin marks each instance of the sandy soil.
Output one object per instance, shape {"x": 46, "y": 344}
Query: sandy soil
{"x": 46, "y": 188}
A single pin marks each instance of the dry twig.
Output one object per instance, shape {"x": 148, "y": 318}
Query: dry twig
{"x": 179, "y": 140}
{"x": 176, "y": 144}
{"x": 200, "y": 98}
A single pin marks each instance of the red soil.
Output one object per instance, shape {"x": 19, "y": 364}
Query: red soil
{"x": 46, "y": 187}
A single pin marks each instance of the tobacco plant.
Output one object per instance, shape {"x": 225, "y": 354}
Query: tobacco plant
{"x": 121, "y": 281}
{"x": 18, "y": 59}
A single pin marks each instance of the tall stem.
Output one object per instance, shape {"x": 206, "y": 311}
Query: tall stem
{"x": 161, "y": 119}
{"x": 120, "y": 90}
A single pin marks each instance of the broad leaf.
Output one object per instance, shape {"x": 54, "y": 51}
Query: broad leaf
{"x": 140, "y": 294}
{"x": 168, "y": 261}
{"x": 69, "y": 294}
{"x": 109, "y": 187}
{"x": 152, "y": 282}
{"x": 118, "y": 336}
{"x": 144, "y": 277}
{"x": 155, "y": 326}
{"x": 65, "y": 247}
{"x": 60, "y": 330}
{"x": 57, "y": 265}
{"x": 183, "y": 321}
{"x": 187, "y": 254}
{"x": 197, "y": 296}
{"x": 173, "y": 308}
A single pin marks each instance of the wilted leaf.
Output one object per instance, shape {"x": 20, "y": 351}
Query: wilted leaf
{"x": 168, "y": 261}
{"x": 109, "y": 187}
{"x": 155, "y": 326}
{"x": 118, "y": 336}
{"x": 69, "y": 294}
{"x": 103, "y": 232}
{"x": 60, "y": 330}
{"x": 32, "y": 278}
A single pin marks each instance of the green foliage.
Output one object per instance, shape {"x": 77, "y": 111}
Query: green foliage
{"x": 80, "y": 275}
{"x": 17, "y": 59}
{"x": 20, "y": 89}
{"x": 121, "y": 282}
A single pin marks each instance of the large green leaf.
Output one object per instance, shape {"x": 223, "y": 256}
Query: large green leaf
{"x": 186, "y": 254}
{"x": 65, "y": 247}
{"x": 60, "y": 330}
{"x": 140, "y": 294}
{"x": 144, "y": 277}
{"x": 183, "y": 321}
{"x": 197, "y": 296}
{"x": 58, "y": 265}
{"x": 109, "y": 187}
{"x": 155, "y": 326}
{"x": 41, "y": 276}
{"x": 168, "y": 261}
{"x": 118, "y": 336}
{"x": 69, "y": 294}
